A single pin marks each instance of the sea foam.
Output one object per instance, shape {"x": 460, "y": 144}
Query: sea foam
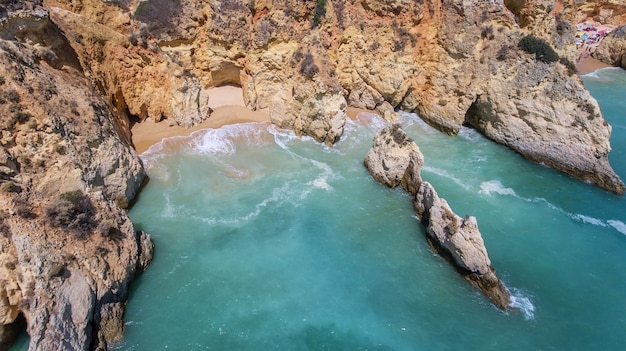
{"x": 495, "y": 186}
{"x": 618, "y": 225}
{"x": 523, "y": 303}
{"x": 222, "y": 141}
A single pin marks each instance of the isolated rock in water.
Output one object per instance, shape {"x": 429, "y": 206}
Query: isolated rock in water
{"x": 395, "y": 160}
{"x": 459, "y": 239}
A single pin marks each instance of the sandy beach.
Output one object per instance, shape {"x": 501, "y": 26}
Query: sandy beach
{"x": 589, "y": 64}
{"x": 585, "y": 63}
{"x": 228, "y": 108}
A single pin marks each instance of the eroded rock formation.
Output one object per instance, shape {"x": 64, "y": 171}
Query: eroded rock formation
{"x": 395, "y": 160}
{"x": 612, "y": 49}
{"x": 68, "y": 251}
{"x": 451, "y": 61}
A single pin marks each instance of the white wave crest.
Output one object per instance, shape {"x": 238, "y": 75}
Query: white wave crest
{"x": 221, "y": 141}
{"x": 587, "y": 219}
{"x": 598, "y": 73}
{"x": 495, "y": 186}
{"x": 282, "y": 137}
{"x": 615, "y": 224}
{"x": 370, "y": 120}
{"x": 408, "y": 119}
{"x": 446, "y": 174}
{"x": 618, "y": 225}
{"x": 470, "y": 134}
{"x": 522, "y": 303}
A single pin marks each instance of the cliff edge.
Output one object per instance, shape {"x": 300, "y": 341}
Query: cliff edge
{"x": 68, "y": 251}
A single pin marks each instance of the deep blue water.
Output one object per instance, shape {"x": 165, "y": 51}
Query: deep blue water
{"x": 268, "y": 241}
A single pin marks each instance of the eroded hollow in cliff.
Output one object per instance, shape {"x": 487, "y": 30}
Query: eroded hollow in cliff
{"x": 10, "y": 333}
{"x": 472, "y": 115}
{"x": 228, "y": 73}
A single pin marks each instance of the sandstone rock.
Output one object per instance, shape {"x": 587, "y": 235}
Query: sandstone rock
{"x": 68, "y": 251}
{"x": 460, "y": 240}
{"x": 395, "y": 159}
{"x": 138, "y": 78}
{"x": 549, "y": 121}
{"x": 612, "y": 49}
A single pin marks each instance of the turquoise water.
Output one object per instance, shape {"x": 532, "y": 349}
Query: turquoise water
{"x": 268, "y": 241}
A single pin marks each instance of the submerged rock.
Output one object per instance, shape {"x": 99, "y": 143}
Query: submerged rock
{"x": 395, "y": 160}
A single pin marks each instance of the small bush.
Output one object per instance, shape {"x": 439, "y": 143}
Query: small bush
{"x": 12, "y": 95}
{"x": 24, "y": 209}
{"x": 308, "y": 67}
{"x": 542, "y": 50}
{"x": 10, "y": 187}
{"x": 21, "y": 117}
{"x": 503, "y": 52}
{"x": 487, "y": 33}
{"x": 109, "y": 230}
{"x": 320, "y": 12}
{"x": 73, "y": 212}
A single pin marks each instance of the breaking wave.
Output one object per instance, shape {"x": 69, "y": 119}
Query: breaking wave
{"x": 618, "y": 225}
{"x": 495, "y": 187}
{"x": 522, "y": 303}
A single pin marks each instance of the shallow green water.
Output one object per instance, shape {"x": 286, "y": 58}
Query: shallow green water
{"x": 266, "y": 241}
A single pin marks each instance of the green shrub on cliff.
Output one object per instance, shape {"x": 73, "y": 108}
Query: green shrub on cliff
{"x": 320, "y": 12}
{"x": 542, "y": 50}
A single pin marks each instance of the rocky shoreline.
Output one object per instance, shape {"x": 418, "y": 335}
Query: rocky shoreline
{"x": 76, "y": 75}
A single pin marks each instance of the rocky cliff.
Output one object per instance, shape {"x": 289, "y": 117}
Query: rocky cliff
{"x": 68, "y": 251}
{"x": 395, "y": 160}
{"x": 76, "y": 73}
{"x": 451, "y": 61}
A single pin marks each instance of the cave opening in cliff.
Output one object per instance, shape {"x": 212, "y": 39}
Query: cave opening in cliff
{"x": 472, "y": 115}
{"x": 228, "y": 74}
{"x": 13, "y": 333}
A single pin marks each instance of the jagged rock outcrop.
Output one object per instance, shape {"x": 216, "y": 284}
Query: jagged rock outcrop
{"x": 395, "y": 160}
{"x": 612, "y": 49}
{"x": 68, "y": 251}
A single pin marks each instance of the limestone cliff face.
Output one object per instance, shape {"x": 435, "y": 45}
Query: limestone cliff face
{"x": 451, "y": 61}
{"x": 395, "y": 160}
{"x": 611, "y": 12}
{"x": 68, "y": 251}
